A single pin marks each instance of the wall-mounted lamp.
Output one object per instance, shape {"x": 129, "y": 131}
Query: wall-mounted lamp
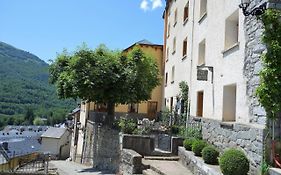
{"x": 257, "y": 11}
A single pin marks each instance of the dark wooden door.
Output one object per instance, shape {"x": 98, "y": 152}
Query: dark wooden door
{"x": 151, "y": 109}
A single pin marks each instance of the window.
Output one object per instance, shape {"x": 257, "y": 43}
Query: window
{"x": 173, "y": 75}
{"x": 203, "y": 8}
{"x": 185, "y": 14}
{"x": 166, "y": 78}
{"x": 202, "y": 50}
{"x": 229, "y": 103}
{"x": 174, "y": 45}
{"x": 231, "y": 30}
{"x": 169, "y": 28}
{"x": 167, "y": 56}
{"x": 176, "y": 17}
{"x": 172, "y": 104}
{"x": 184, "y": 48}
{"x": 133, "y": 108}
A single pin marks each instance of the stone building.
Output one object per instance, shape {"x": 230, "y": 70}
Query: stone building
{"x": 213, "y": 47}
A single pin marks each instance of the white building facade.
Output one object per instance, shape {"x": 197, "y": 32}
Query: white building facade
{"x": 207, "y": 44}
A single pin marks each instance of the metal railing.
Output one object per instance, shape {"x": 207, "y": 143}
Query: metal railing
{"x": 34, "y": 163}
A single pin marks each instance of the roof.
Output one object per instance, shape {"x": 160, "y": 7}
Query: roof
{"x": 54, "y": 133}
{"x": 144, "y": 42}
{"x": 74, "y": 111}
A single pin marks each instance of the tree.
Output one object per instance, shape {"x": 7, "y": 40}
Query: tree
{"x": 38, "y": 122}
{"x": 29, "y": 116}
{"x": 105, "y": 76}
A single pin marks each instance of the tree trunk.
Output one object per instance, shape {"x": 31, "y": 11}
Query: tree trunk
{"x": 110, "y": 113}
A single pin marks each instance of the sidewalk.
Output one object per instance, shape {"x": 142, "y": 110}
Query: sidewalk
{"x": 72, "y": 168}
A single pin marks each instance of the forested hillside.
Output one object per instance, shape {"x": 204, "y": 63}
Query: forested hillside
{"x": 24, "y": 85}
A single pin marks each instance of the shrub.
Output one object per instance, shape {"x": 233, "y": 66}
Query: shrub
{"x": 210, "y": 155}
{"x": 194, "y": 132}
{"x": 187, "y": 143}
{"x": 198, "y": 146}
{"x": 234, "y": 162}
{"x": 127, "y": 125}
{"x": 175, "y": 129}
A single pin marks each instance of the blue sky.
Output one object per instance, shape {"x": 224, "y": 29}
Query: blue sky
{"x": 45, "y": 27}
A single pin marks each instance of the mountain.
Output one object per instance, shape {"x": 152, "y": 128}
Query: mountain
{"x": 24, "y": 84}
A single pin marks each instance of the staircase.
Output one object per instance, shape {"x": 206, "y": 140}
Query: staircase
{"x": 164, "y": 166}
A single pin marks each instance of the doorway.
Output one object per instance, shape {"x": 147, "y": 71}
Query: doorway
{"x": 200, "y": 102}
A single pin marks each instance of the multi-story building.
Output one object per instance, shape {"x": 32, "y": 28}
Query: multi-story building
{"x": 212, "y": 46}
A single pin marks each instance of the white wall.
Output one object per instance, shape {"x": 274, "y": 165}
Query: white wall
{"x": 227, "y": 65}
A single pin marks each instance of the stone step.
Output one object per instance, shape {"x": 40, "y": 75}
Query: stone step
{"x": 163, "y": 167}
{"x": 170, "y": 158}
{"x": 149, "y": 172}
{"x": 159, "y": 152}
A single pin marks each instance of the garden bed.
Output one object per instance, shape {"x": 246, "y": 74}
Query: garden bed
{"x": 196, "y": 164}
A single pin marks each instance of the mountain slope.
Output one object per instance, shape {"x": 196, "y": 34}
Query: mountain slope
{"x": 24, "y": 83}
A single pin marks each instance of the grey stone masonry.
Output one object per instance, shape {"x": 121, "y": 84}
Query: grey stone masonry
{"x": 130, "y": 162}
{"x": 254, "y": 48}
{"x": 245, "y": 137}
{"x": 106, "y": 149}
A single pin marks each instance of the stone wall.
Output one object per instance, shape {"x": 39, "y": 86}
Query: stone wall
{"x": 254, "y": 48}
{"x": 143, "y": 145}
{"x": 130, "y": 162}
{"x": 246, "y": 137}
{"x": 102, "y": 147}
{"x": 106, "y": 149}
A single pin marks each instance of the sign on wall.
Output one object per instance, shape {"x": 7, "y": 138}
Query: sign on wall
{"x": 202, "y": 75}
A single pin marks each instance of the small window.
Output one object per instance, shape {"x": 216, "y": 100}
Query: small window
{"x": 186, "y": 11}
{"x": 174, "y": 45}
{"x": 167, "y": 56}
{"x": 203, "y": 8}
{"x": 176, "y": 17}
{"x": 231, "y": 30}
{"x": 184, "y": 48}
{"x": 202, "y": 52}
{"x": 168, "y": 30}
{"x": 173, "y": 75}
{"x": 166, "y": 78}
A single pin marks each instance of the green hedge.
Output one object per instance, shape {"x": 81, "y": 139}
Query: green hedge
{"x": 198, "y": 146}
{"x": 210, "y": 155}
{"x": 234, "y": 162}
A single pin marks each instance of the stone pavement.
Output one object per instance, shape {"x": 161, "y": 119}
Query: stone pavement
{"x": 167, "y": 167}
{"x": 72, "y": 168}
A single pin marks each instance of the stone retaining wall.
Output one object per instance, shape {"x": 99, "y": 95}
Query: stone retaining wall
{"x": 246, "y": 137}
{"x": 130, "y": 162}
{"x": 196, "y": 164}
{"x": 143, "y": 145}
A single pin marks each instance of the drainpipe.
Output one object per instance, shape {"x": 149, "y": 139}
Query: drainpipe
{"x": 191, "y": 62}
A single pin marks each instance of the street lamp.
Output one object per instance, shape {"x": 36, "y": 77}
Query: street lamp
{"x": 257, "y": 11}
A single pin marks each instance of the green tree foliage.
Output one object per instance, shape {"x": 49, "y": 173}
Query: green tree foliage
{"x": 38, "y": 122}
{"x": 29, "y": 116}
{"x": 105, "y": 76}
{"x": 269, "y": 90}
{"x": 24, "y": 83}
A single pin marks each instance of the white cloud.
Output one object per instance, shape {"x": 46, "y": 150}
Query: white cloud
{"x": 150, "y": 5}
{"x": 144, "y": 5}
{"x": 156, "y": 4}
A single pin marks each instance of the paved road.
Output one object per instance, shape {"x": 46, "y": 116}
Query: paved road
{"x": 72, "y": 168}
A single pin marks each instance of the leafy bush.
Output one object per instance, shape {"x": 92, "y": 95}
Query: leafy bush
{"x": 198, "y": 146}
{"x": 187, "y": 143}
{"x": 175, "y": 129}
{"x": 234, "y": 162}
{"x": 127, "y": 125}
{"x": 210, "y": 155}
{"x": 194, "y": 132}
